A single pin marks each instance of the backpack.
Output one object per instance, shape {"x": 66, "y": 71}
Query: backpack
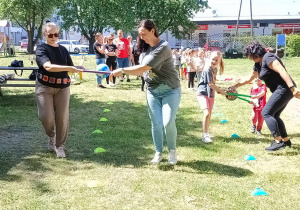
{"x": 17, "y": 63}
{"x": 32, "y": 76}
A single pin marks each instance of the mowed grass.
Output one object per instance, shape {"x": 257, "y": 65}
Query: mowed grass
{"x": 214, "y": 176}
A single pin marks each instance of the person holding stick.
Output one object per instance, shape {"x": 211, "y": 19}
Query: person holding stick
{"x": 269, "y": 67}
{"x": 53, "y": 88}
{"x": 163, "y": 87}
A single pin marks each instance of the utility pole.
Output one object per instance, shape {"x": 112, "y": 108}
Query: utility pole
{"x": 238, "y": 20}
{"x": 251, "y": 21}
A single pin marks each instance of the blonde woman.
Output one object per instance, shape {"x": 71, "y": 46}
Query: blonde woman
{"x": 53, "y": 88}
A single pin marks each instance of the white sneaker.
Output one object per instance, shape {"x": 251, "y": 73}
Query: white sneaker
{"x": 157, "y": 158}
{"x": 172, "y": 157}
{"x": 206, "y": 138}
{"x": 51, "y": 143}
{"x": 60, "y": 153}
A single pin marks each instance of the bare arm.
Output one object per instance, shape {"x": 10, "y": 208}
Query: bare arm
{"x": 129, "y": 51}
{"x": 247, "y": 81}
{"x": 277, "y": 67}
{"x": 216, "y": 88}
{"x": 110, "y": 53}
{"x": 100, "y": 49}
{"x": 58, "y": 68}
{"x": 137, "y": 70}
{"x": 259, "y": 95}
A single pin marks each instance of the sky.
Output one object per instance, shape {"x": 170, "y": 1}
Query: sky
{"x": 259, "y": 7}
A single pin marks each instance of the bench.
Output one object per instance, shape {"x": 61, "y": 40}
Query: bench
{"x": 24, "y": 80}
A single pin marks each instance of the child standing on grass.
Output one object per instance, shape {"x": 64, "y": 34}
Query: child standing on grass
{"x": 206, "y": 90}
{"x": 191, "y": 68}
{"x": 183, "y": 64}
{"x": 258, "y": 91}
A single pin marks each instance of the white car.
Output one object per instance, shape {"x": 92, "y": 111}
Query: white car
{"x": 74, "y": 46}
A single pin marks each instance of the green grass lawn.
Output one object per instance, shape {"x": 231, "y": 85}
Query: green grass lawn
{"x": 212, "y": 176}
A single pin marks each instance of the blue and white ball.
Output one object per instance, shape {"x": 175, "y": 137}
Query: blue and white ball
{"x": 102, "y": 67}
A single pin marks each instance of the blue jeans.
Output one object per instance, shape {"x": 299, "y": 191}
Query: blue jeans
{"x": 123, "y": 62}
{"x": 99, "y": 61}
{"x": 163, "y": 103}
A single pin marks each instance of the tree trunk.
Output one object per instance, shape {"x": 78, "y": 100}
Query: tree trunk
{"x": 39, "y": 32}
{"x": 30, "y": 34}
{"x": 91, "y": 44}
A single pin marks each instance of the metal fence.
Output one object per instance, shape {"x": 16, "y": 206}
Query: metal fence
{"x": 225, "y": 42}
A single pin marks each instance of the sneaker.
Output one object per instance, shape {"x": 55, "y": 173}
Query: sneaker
{"x": 60, "y": 153}
{"x": 258, "y": 133}
{"x": 101, "y": 86}
{"x": 157, "y": 157}
{"x": 128, "y": 80}
{"x": 51, "y": 143}
{"x": 288, "y": 143}
{"x": 172, "y": 157}
{"x": 253, "y": 128}
{"x": 206, "y": 138}
{"x": 276, "y": 146}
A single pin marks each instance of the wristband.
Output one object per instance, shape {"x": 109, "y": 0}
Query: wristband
{"x": 292, "y": 87}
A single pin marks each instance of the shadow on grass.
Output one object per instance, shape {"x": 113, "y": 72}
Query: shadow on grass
{"x": 254, "y": 140}
{"x": 126, "y": 135}
{"x": 293, "y": 151}
{"x": 207, "y": 167}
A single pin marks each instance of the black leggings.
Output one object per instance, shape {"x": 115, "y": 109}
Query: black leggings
{"x": 143, "y": 83}
{"x": 111, "y": 62}
{"x": 191, "y": 79}
{"x": 271, "y": 113}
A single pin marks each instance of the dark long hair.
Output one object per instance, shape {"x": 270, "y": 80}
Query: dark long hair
{"x": 254, "y": 50}
{"x": 142, "y": 46}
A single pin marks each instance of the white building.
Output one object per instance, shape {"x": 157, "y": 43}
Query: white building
{"x": 269, "y": 17}
{"x": 15, "y": 33}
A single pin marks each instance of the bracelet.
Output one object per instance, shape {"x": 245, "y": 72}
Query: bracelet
{"x": 292, "y": 87}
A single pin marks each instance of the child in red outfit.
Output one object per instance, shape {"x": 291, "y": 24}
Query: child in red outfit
{"x": 258, "y": 92}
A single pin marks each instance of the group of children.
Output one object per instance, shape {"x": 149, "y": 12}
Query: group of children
{"x": 205, "y": 65}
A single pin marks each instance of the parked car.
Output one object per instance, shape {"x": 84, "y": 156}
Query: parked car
{"x": 24, "y": 43}
{"x": 74, "y": 46}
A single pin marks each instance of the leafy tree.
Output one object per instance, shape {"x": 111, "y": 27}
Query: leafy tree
{"x": 92, "y": 16}
{"x": 29, "y": 15}
{"x": 170, "y": 15}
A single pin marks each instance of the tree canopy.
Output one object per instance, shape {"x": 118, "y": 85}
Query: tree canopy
{"x": 28, "y": 14}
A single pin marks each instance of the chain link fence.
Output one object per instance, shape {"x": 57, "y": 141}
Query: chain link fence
{"x": 227, "y": 42}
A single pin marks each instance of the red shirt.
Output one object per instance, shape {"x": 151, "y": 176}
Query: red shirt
{"x": 256, "y": 91}
{"x": 122, "y": 45}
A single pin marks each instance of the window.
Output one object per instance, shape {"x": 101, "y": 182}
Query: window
{"x": 296, "y": 31}
{"x": 276, "y": 31}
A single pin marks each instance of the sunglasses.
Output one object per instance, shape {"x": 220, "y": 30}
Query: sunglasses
{"x": 51, "y": 35}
